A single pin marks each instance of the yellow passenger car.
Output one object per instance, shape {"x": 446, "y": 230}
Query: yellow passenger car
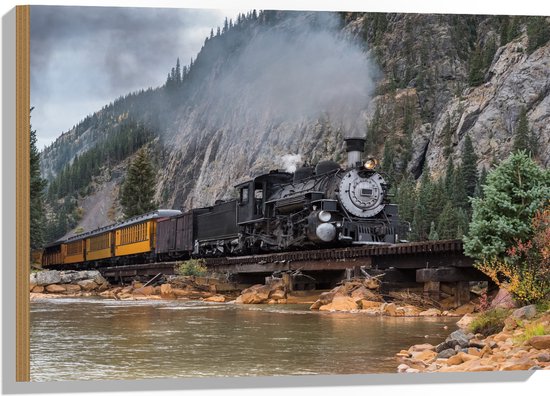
{"x": 53, "y": 254}
{"x": 99, "y": 247}
{"x": 137, "y": 235}
{"x": 74, "y": 251}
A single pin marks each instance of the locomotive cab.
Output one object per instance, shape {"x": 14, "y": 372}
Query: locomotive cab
{"x": 253, "y": 194}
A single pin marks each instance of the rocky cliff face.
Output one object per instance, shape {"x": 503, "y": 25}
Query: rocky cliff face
{"x": 278, "y": 85}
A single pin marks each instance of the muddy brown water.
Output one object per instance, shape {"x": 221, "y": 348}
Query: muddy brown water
{"x": 91, "y": 339}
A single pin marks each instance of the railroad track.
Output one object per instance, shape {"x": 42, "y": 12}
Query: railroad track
{"x": 404, "y": 255}
{"x": 428, "y": 247}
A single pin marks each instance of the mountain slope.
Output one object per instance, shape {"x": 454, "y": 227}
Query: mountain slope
{"x": 279, "y": 83}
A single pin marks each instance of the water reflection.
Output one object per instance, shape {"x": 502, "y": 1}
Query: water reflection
{"x": 98, "y": 339}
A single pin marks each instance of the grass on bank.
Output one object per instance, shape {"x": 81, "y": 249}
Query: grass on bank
{"x": 490, "y": 322}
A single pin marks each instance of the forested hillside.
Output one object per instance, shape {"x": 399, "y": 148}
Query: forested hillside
{"x": 440, "y": 99}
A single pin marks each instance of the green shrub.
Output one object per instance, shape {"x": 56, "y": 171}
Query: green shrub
{"x": 195, "y": 267}
{"x": 531, "y": 330}
{"x": 489, "y": 322}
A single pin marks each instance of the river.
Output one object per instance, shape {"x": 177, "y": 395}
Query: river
{"x": 90, "y": 339}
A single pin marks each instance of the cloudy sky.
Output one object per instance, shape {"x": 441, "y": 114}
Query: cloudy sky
{"x": 85, "y": 57}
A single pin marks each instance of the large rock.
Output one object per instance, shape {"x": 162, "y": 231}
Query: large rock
{"x": 55, "y": 289}
{"x": 460, "y": 337}
{"x": 216, "y": 298}
{"x": 340, "y": 303}
{"x": 426, "y": 356}
{"x": 365, "y": 304}
{"x": 503, "y": 299}
{"x": 72, "y": 276}
{"x": 32, "y": 280}
{"x": 44, "y": 278}
{"x": 87, "y": 284}
{"x": 144, "y": 291}
{"x": 389, "y": 309}
{"x": 446, "y": 353}
{"x": 362, "y": 293}
{"x": 277, "y": 294}
{"x": 527, "y": 312}
{"x": 72, "y": 289}
{"x": 518, "y": 364}
{"x": 540, "y": 342}
{"x": 37, "y": 289}
{"x": 256, "y": 294}
{"x": 465, "y": 321}
{"x": 166, "y": 291}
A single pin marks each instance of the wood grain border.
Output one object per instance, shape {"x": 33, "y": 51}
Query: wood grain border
{"x": 22, "y": 125}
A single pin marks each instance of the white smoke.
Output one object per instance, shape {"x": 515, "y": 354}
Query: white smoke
{"x": 300, "y": 69}
{"x": 291, "y": 161}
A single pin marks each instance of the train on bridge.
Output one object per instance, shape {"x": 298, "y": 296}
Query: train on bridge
{"x": 321, "y": 206}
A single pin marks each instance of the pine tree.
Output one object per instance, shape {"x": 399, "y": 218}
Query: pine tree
{"x": 469, "y": 166}
{"x": 515, "y": 190}
{"x": 177, "y": 72}
{"x": 459, "y": 195}
{"x": 449, "y": 179}
{"x": 478, "y": 193}
{"x": 476, "y": 72}
{"x": 447, "y": 138}
{"x": 538, "y": 32}
{"x": 433, "y": 235}
{"x": 37, "y": 185}
{"x": 138, "y": 190}
{"x": 430, "y": 199}
{"x": 405, "y": 198}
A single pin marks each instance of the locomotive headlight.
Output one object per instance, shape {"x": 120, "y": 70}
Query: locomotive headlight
{"x": 324, "y": 216}
{"x": 370, "y": 164}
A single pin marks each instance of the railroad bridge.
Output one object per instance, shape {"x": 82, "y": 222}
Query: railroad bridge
{"x": 435, "y": 267}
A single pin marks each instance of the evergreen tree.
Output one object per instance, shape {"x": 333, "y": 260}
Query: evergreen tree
{"x": 538, "y": 33}
{"x": 433, "y": 235}
{"x": 452, "y": 222}
{"x": 405, "y": 198}
{"x": 515, "y": 190}
{"x": 177, "y": 72}
{"x": 449, "y": 179}
{"x": 476, "y": 72}
{"x": 37, "y": 185}
{"x": 138, "y": 190}
{"x": 430, "y": 200}
{"x": 388, "y": 160}
{"x": 478, "y": 193}
{"x": 447, "y": 138}
{"x": 459, "y": 195}
{"x": 469, "y": 166}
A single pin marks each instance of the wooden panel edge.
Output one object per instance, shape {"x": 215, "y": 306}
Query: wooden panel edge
{"x": 22, "y": 48}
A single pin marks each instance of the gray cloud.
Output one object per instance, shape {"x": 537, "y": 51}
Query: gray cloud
{"x": 84, "y": 57}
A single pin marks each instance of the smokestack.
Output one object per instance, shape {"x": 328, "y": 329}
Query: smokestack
{"x": 354, "y": 148}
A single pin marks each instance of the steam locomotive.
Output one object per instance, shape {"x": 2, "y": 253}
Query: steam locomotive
{"x": 321, "y": 206}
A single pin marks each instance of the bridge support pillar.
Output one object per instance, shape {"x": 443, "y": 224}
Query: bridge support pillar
{"x": 462, "y": 293}
{"x": 287, "y": 282}
{"x": 432, "y": 290}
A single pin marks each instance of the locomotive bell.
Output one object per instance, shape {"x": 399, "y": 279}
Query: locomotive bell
{"x": 354, "y": 148}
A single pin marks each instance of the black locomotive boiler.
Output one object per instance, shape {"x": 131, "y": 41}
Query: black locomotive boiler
{"x": 321, "y": 206}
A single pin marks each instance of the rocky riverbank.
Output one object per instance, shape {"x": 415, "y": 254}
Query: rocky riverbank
{"x": 356, "y": 296}
{"x": 522, "y": 344}
{"x": 57, "y": 284}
